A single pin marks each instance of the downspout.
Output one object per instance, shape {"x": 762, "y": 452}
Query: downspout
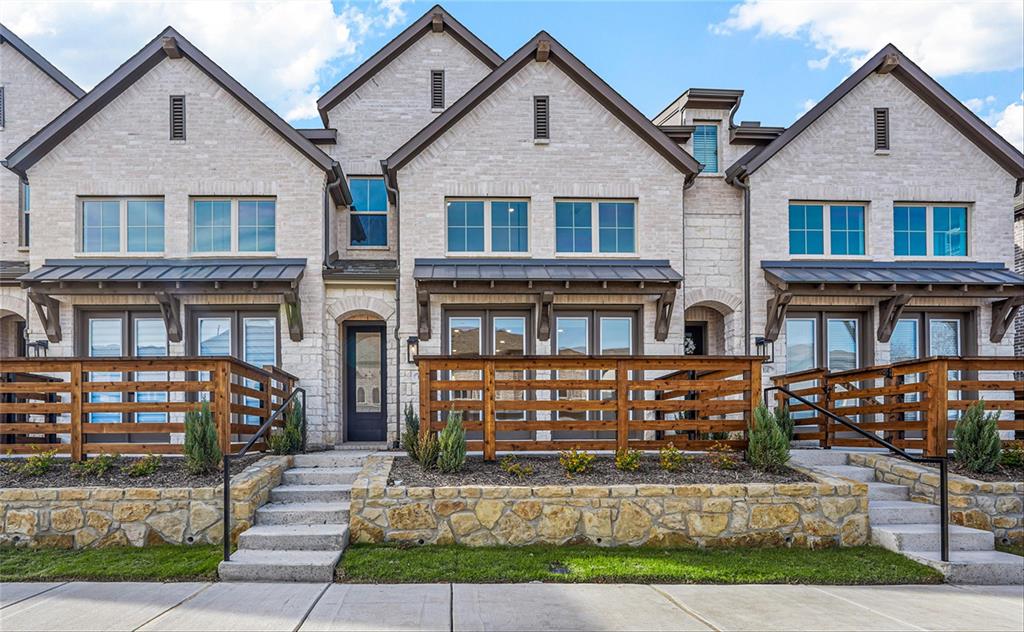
{"x": 393, "y": 192}
{"x": 687, "y": 183}
{"x": 740, "y": 182}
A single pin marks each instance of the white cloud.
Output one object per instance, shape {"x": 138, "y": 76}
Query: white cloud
{"x": 976, "y": 104}
{"x": 1010, "y": 123}
{"x": 806, "y": 106}
{"x": 287, "y": 53}
{"x": 945, "y": 38}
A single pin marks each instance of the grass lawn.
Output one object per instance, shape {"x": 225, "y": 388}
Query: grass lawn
{"x": 862, "y": 565}
{"x": 156, "y": 563}
{"x": 1016, "y": 549}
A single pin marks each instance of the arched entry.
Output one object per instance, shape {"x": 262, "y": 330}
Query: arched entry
{"x": 364, "y": 369}
{"x": 710, "y": 317}
{"x": 12, "y": 335}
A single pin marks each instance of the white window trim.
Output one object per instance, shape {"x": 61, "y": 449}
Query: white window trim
{"x": 122, "y": 227}
{"x": 929, "y": 237}
{"x": 234, "y": 227}
{"x": 487, "y": 228}
{"x": 720, "y": 173}
{"x": 595, "y": 245}
{"x": 826, "y": 223}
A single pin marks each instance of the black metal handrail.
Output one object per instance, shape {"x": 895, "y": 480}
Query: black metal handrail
{"x": 941, "y": 460}
{"x": 263, "y": 429}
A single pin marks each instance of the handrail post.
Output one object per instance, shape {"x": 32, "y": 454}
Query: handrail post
{"x": 944, "y": 507}
{"x": 227, "y": 507}
{"x": 222, "y": 404}
{"x": 303, "y": 419}
{"x": 425, "y": 414}
{"x": 938, "y": 408}
{"x": 76, "y": 411}
{"x": 826, "y": 403}
{"x": 753, "y": 393}
{"x": 490, "y": 446}
{"x": 621, "y": 408}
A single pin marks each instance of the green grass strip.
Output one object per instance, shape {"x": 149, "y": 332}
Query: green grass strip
{"x": 156, "y": 563}
{"x": 1015, "y": 549}
{"x": 427, "y": 564}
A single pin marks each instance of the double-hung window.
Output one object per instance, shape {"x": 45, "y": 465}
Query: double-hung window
{"x": 233, "y": 226}
{"x": 842, "y": 224}
{"x": 705, "y": 146}
{"x": 487, "y": 225}
{"x": 615, "y": 221}
{"x": 119, "y": 226}
{"x": 912, "y": 224}
{"x": 368, "y": 224}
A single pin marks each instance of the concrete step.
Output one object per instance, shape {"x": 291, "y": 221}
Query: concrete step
{"x": 320, "y": 475}
{"x": 310, "y": 493}
{"x": 886, "y": 512}
{"x": 303, "y": 513}
{"x": 881, "y": 491}
{"x": 268, "y": 566}
{"x": 975, "y": 567}
{"x": 926, "y": 537}
{"x": 817, "y": 457}
{"x": 332, "y": 458}
{"x": 295, "y": 537}
{"x": 865, "y": 474}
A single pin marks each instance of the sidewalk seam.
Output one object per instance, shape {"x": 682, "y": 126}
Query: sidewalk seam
{"x": 451, "y": 607}
{"x": 679, "y": 605}
{"x": 160, "y": 614}
{"x": 309, "y": 610}
{"x": 34, "y": 595}
{"x": 862, "y": 606}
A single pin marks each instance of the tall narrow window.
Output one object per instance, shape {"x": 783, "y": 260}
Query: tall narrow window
{"x": 881, "y": 129}
{"x": 26, "y": 210}
{"x": 705, "y": 147}
{"x": 847, "y": 228}
{"x": 806, "y": 230}
{"x": 368, "y": 225}
{"x": 177, "y": 117}
{"x": 437, "y": 89}
{"x": 541, "y": 118}
{"x": 910, "y": 231}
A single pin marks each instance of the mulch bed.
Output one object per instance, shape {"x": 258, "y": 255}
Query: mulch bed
{"x": 548, "y": 471}
{"x": 1002, "y": 473}
{"x": 171, "y": 473}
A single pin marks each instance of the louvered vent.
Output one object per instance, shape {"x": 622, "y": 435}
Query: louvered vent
{"x": 3, "y": 116}
{"x": 437, "y": 89}
{"x": 881, "y": 129}
{"x": 178, "y": 117}
{"x": 541, "y": 118}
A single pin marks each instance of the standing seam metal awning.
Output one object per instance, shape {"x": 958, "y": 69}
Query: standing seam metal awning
{"x": 893, "y": 272}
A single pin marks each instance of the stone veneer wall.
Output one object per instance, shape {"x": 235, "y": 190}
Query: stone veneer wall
{"x": 81, "y": 517}
{"x": 828, "y": 512}
{"x": 995, "y": 507}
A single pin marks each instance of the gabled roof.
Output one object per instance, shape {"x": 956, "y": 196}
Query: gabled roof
{"x": 436, "y": 19}
{"x": 6, "y": 36}
{"x": 701, "y": 99}
{"x": 168, "y": 43}
{"x": 586, "y": 78}
{"x": 891, "y": 60}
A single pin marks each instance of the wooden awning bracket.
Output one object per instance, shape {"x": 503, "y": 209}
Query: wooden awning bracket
{"x": 48, "y": 309}
{"x": 545, "y": 315}
{"x": 293, "y": 311}
{"x": 777, "y": 306}
{"x": 889, "y": 312}
{"x": 1003, "y": 313}
{"x": 423, "y": 314}
{"x": 170, "y": 309}
{"x": 666, "y": 304}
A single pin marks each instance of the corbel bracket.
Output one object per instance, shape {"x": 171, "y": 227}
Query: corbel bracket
{"x": 170, "y": 309}
{"x": 1003, "y": 313}
{"x": 48, "y": 309}
{"x": 666, "y": 304}
{"x": 889, "y": 312}
{"x": 423, "y": 314}
{"x": 777, "y": 306}
{"x": 547, "y": 303}
{"x": 293, "y": 311}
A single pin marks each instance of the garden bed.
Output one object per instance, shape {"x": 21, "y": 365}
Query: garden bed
{"x": 170, "y": 473}
{"x": 1002, "y": 473}
{"x": 546, "y": 470}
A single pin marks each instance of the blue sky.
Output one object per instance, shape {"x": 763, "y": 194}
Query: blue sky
{"x": 785, "y": 54}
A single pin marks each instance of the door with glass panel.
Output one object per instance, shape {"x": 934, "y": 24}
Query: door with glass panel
{"x": 842, "y": 351}
{"x": 365, "y": 383}
{"x": 801, "y": 355}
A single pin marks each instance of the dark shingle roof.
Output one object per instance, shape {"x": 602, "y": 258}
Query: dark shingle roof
{"x": 544, "y": 270}
{"x": 166, "y": 270}
{"x": 915, "y": 272}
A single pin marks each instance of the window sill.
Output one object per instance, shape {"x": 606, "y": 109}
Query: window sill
{"x": 370, "y": 248}
{"x": 486, "y": 253}
{"x": 436, "y": 110}
{"x": 23, "y": 249}
{"x": 541, "y": 141}
{"x": 120, "y": 255}
{"x": 233, "y": 255}
{"x": 596, "y": 255}
{"x": 882, "y": 152}
{"x": 711, "y": 174}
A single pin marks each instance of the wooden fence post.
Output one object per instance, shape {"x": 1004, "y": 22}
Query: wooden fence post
{"x": 938, "y": 408}
{"x": 424, "y": 367}
{"x": 490, "y": 447}
{"x": 621, "y": 407}
{"x": 221, "y": 402}
{"x": 76, "y": 411}
{"x": 826, "y": 403}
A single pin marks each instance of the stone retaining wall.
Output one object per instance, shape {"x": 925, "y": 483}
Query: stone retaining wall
{"x": 828, "y": 512}
{"x": 995, "y": 507}
{"x": 80, "y": 517}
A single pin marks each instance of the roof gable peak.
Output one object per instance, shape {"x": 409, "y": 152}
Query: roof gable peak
{"x": 8, "y": 36}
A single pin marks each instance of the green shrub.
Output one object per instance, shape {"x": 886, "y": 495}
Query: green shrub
{"x": 411, "y": 438}
{"x": 767, "y": 446}
{"x": 784, "y": 421}
{"x": 722, "y": 456}
{"x": 714, "y": 436}
{"x": 1013, "y": 454}
{"x": 289, "y": 439}
{"x": 202, "y": 452}
{"x": 97, "y": 466}
{"x": 628, "y": 460}
{"x": 146, "y": 466}
{"x": 575, "y": 462}
{"x": 976, "y": 439}
{"x": 428, "y": 450}
{"x": 671, "y": 459}
{"x": 452, "y": 445}
{"x": 38, "y": 464}
{"x": 512, "y": 466}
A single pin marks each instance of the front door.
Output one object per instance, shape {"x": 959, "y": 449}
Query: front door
{"x": 365, "y": 381}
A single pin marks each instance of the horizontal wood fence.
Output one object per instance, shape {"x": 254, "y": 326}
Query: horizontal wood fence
{"x": 913, "y": 404}
{"x": 591, "y": 403}
{"x": 82, "y": 406}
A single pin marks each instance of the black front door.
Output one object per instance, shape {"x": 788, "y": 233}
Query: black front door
{"x": 365, "y": 383}
{"x": 697, "y": 335}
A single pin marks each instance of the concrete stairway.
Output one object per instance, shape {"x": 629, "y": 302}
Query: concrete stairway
{"x": 300, "y": 534}
{"x": 912, "y": 528}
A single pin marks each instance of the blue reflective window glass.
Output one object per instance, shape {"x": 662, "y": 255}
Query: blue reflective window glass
{"x": 847, "y": 230}
{"x": 145, "y": 225}
{"x": 806, "y": 230}
{"x": 509, "y": 226}
{"x": 256, "y": 225}
{"x": 949, "y": 231}
{"x": 616, "y": 225}
{"x": 705, "y": 147}
{"x": 369, "y": 212}
{"x": 573, "y": 229}
{"x": 211, "y": 225}
{"x": 910, "y": 231}
{"x": 465, "y": 226}
{"x": 101, "y": 226}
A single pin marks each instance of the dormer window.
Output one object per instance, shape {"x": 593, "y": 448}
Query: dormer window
{"x": 705, "y": 146}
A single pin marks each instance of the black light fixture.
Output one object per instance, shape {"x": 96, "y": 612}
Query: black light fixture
{"x": 766, "y": 348}
{"x": 412, "y": 349}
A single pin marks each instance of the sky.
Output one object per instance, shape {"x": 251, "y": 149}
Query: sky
{"x": 785, "y": 54}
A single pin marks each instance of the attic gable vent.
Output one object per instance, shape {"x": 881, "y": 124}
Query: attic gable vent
{"x": 881, "y": 129}
{"x": 437, "y": 89}
{"x": 541, "y": 119}
{"x": 177, "y": 117}
{"x": 3, "y": 118}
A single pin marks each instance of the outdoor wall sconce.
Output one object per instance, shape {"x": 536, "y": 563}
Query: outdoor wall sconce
{"x": 766, "y": 348}
{"x": 412, "y": 349}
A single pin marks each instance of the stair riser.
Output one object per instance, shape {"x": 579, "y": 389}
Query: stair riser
{"x": 818, "y": 457}
{"x": 293, "y": 542}
{"x": 884, "y": 493}
{"x": 292, "y": 477}
{"x": 301, "y": 517}
{"x": 975, "y": 541}
{"x": 978, "y": 573}
{"x": 232, "y": 572}
{"x": 925, "y": 514}
{"x": 329, "y": 460}
{"x": 307, "y": 496}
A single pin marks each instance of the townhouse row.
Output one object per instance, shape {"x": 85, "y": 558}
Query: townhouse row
{"x": 456, "y": 202}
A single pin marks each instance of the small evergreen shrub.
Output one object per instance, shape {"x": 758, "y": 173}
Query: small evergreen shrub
{"x": 671, "y": 459}
{"x": 411, "y": 438}
{"x": 428, "y": 449}
{"x": 97, "y": 466}
{"x": 1013, "y": 454}
{"x": 627, "y": 460}
{"x": 146, "y": 466}
{"x": 38, "y": 464}
{"x": 784, "y": 421}
{"x": 512, "y": 466}
{"x": 575, "y": 462}
{"x": 452, "y": 445}
{"x": 289, "y": 439}
{"x": 767, "y": 446}
{"x": 976, "y": 439}
{"x": 202, "y": 452}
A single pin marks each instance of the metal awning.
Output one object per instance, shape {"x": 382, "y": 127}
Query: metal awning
{"x": 543, "y": 278}
{"x": 361, "y": 270}
{"x": 894, "y": 283}
{"x": 166, "y": 279}
{"x": 11, "y": 270}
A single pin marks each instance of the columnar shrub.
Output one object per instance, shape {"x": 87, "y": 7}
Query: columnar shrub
{"x": 411, "y": 438}
{"x": 427, "y": 449}
{"x": 452, "y": 445}
{"x": 976, "y": 439}
{"x": 784, "y": 421}
{"x": 767, "y": 446}
{"x": 202, "y": 452}
{"x": 289, "y": 439}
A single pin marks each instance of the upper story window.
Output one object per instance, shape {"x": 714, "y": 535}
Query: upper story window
{"x": 122, "y": 226}
{"x": 843, "y": 223}
{"x": 368, "y": 225}
{"x": 471, "y": 228}
{"x": 615, "y": 221}
{"x": 913, "y": 222}
{"x": 705, "y": 146}
{"x": 233, "y": 225}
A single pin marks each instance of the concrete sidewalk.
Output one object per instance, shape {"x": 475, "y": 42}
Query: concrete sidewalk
{"x": 231, "y": 606}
